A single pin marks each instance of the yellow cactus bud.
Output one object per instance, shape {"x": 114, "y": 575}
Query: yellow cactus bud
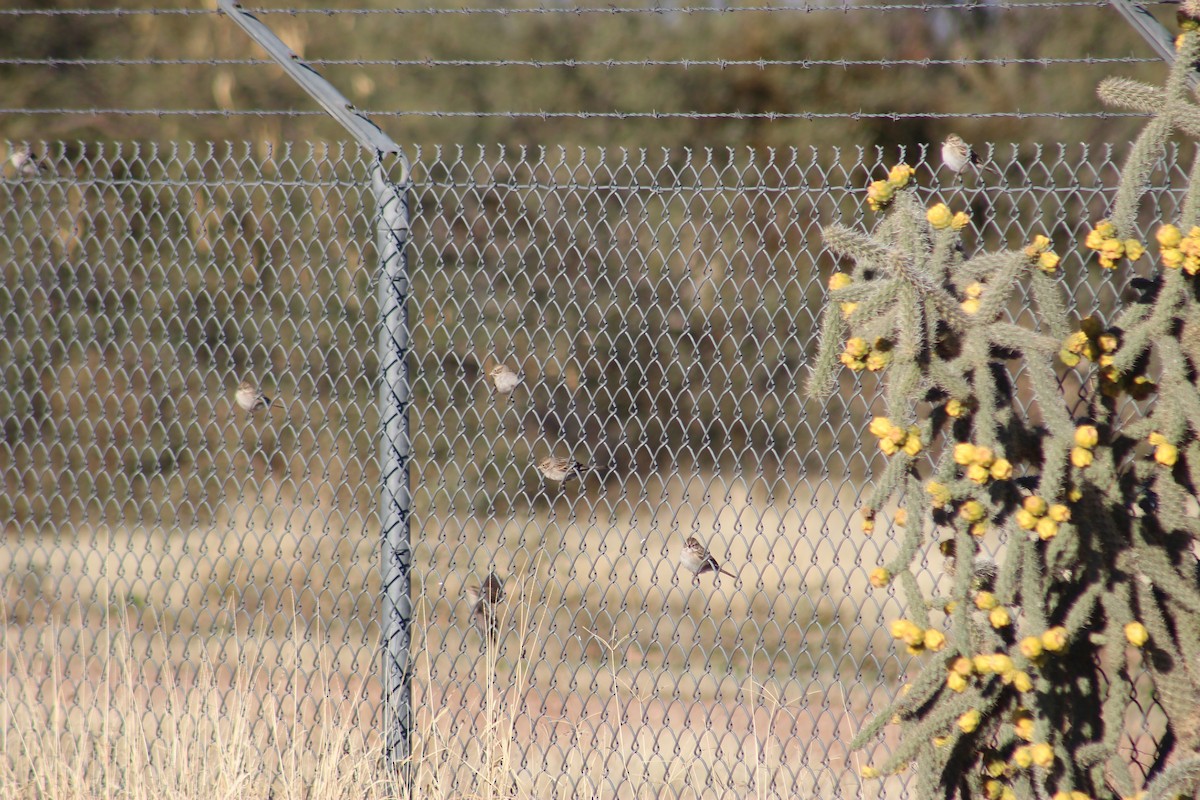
{"x": 1134, "y": 249}
{"x": 880, "y": 577}
{"x": 1002, "y": 469}
{"x": 1039, "y": 244}
{"x": 878, "y": 360}
{"x": 1055, "y": 639}
{"x": 880, "y": 426}
{"x": 956, "y": 682}
{"x": 858, "y": 348}
{"x": 1059, "y": 513}
{"x": 1172, "y": 259}
{"x": 1035, "y": 505}
{"x": 901, "y": 517}
{"x": 1023, "y": 727}
{"x": 1031, "y": 647}
{"x": 984, "y": 456}
{"x": 978, "y": 474}
{"x": 972, "y": 511}
{"x": 939, "y": 494}
{"x": 852, "y": 363}
{"x": 1168, "y": 236}
{"x": 1157, "y": 438}
{"x": 974, "y": 290}
{"x": 869, "y": 772}
{"x": 962, "y": 666}
{"x": 878, "y": 193}
{"x": 1106, "y": 229}
{"x": 982, "y": 664}
{"x": 979, "y": 529}
{"x": 999, "y": 617}
{"x": 1025, "y": 520}
{"x": 1075, "y": 495}
{"x": 1046, "y": 529}
{"x": 1137, "y": 634}
{"x": 940, "y": 741}
{"x": 955, "y": 407}
{"x": 1022, "y": 682}
{"x": 1166, "y": 454}
{"x": 912, "y": 445}
{"x": 1048, "y": 262}
{"x": 960, "y": 220}
{"x": 889, "y": 447}
{"x": 847, "y": 309}
{"x": 899, "y": 174}
{"x": 939, "y": 216}
{"x": 970, "y": 306}
{"x": 839, "y": 280}
{"x": 1068, "y": 358}
{"x": 1081, "y": 458}
{"x": 1087, "y": 436}
{"x": 1094, "y": 240}
{"x": 964, "y": 453}
{"x": 993, "y": 790}
{"x": 1022, "y": 757}
{"x": 985, "y": 601}
{"x": 934, "y": 640}
{"x": 1042, "y": 754}
{"x": 1109, "y": 342}
{"x": 969, "y": 721}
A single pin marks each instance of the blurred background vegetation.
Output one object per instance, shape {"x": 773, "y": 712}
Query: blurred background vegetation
{"x": 656, "y": 282}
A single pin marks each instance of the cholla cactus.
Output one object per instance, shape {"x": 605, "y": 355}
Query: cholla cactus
{"x": 1092, "y": 500}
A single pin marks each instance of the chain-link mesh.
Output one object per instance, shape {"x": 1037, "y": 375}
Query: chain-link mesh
{"x": 659, "y": 307}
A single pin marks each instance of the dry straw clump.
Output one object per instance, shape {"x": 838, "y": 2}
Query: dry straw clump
{"x": 1089, "y": 493}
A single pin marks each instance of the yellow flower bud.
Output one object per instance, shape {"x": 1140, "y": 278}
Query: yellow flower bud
{"x": 1075, "y": 495}
{"x": 879, "y": 192}
{"x": 1043, "y": 754}
{"x": 934, "y": 640}
{"x": 1137, "y": 634}
{"x": 974, "y": 290}
{"x": 1002, "y": 469}
{"x": 1059, "y": 513}
{"x": 878, "y": 360}
{"x": 899, "y": 174}
{"x": 869, "y": 772}
{"x": 969, "y": 721}
{"x": 1112, "y": 248}
{"x": 1172, "y": 259}
{"x": 1055, "y": 639}
{"x": 939, "y": 494}
{"x": 912, "y": 445}
{"x": 993, "y": 790}
{"x": 1087, "y": 436}
{"x": 940, "y": 741}
{"x": 1157, "y": 438}
{"x": 964, "y": 453}
{"x": 955, "y": 407}
{"x": 960, "y": 220}
{"x": 1025, "y": 520}
{"x": 1031, "y": 647}
{"x": 956, "y": 682}
{"x": 1023, "y": 727}
{"x": 1000, "y": 618}
{"x": 984, "y": 456}
{"x": 939, "y": 216}
{"x": 978, "y": 474}
{"x": 896, "y": 435}
{"x": 1048, "y": 262}
{"x": 880, "y": 426}
{"x": 1081, "y": 458}
{"x": 1046, "y": 529}
{"x": 1106, "y": 229}
{"x": 1022, "y": 757}
{"x": 847, "y": 309}
{"x": 972, "y": 511}
{"x": 880, "y": 577}
{"x": 1109, "y": 342}
{"x": 858, "y": 348}
{"x": 1168, "y": 236}
{"x": 1039, "y": 244}
{"x": 889, "y": 447}
{"x": 1076, "y": 342}
{"x": 1134, "y": 249}
{"x": 852, "y": 363}
{"x": 985, "y": 601}
{"x": 839, "y": 280}
{"x": 962, "y": 666}
{"x": 1166, "y": 454}
{"x": 1022, "y": 682}
{"x": 979, "y": 529}
{"x": 1035, "y": 505}
{"x": 1094, "y": 240}
{"x": 970, "y": 306}
{"x": 1001, "y": 663}
{"x": 982, "y": 664}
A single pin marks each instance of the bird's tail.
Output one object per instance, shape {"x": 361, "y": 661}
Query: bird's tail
{"x": 724, "y": 571}
{"x": 993, "y": 168}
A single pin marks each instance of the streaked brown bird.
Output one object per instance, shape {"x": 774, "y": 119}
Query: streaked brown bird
{"x": 251, "y": 399}
{"x": 561, "y": 469}
{"x": 957, "y": 154}
{"x": 695, "y": 558}
{"x": 985, "y": 572}
{"x": 493, "y": 588}
{"x": 504, "y": 379}
{"x": 483, "y": 615}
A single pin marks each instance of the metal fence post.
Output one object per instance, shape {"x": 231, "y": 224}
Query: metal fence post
{"x": 395, "y": 397}
{"x": 392, "y": 227}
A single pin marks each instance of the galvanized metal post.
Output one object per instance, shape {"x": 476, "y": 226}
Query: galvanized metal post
{"x": 392, "y": 227}
{"x": 395, "y": 397}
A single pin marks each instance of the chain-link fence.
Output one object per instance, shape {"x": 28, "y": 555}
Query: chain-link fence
{"x": 659, "y": 308}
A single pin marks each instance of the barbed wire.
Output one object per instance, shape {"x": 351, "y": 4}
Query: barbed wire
{"x": 802, "y": 8}
{"x": 611, "y": 63}
{"x": 546, "y": 115}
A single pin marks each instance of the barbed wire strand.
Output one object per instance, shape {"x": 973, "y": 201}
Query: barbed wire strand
{"x": 611, "y": 63}
{"x": 735, "y": 115}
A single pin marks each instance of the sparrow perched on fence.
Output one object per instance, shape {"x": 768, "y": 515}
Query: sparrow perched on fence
{"x": 493, "y": 588}
{"x": 504, "y": 378}
{"x": 483, "y": 615}
{"x": 251, "y": 399}
{"x": 985, "y": 572}
{"x": 696, "y": 559}
{"x": 956, "y": 154}
{"x": 26, "y": 163}
{"x": 561, "y": 469}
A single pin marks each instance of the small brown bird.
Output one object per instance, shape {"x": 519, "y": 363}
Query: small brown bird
{"x": 251, "y": 399}
{"x": 561, "y": 469}
{"x": 493, "y": 588}
{"x": 957, "y": 154}
{"x": 26, "y": 163}
{"x": 984, "y": 578}
{"x": 695, "y": 558}
{"x": 483, "y": 615}
{"x": 504, "y": 378}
